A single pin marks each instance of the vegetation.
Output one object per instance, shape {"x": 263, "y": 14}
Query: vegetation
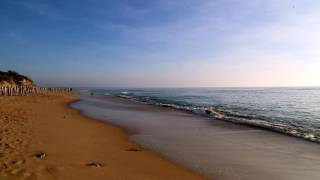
{"x": 14, "y": 78}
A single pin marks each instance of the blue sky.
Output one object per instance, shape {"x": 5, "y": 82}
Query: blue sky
{"x": 162, "y": 43}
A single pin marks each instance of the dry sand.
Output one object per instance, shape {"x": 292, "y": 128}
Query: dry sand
{"x": 42, "y": 138}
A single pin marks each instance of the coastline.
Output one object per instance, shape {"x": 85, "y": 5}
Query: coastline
{"x": 216, "y": 113}
{"x": 217, "y": 149}
{"x": 42, "y": 137}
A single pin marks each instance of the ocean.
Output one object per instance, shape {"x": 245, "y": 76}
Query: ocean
{"x": 222, "y": 133}
{"x": 294, "y": 111}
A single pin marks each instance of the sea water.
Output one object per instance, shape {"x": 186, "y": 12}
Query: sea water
{"x": 199, "y": 134}
{"x": 293, "y": 111}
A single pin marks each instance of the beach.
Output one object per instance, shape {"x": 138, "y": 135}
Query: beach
{"x": 215, "y": 148}
{"x": 146, "y": 90}
{"x": 41, "y": 137}
{"x": 108, "y": 137}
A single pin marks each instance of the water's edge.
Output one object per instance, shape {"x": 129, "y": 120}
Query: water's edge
{"x": 218, "y": 114}
{"x": 211, "y": 147}
{"x": 130, "y": 134}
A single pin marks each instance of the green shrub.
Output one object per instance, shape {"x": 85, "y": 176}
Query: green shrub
{"x": 12, "y": 76}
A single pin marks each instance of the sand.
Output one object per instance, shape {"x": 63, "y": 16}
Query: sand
{"x": 219, "y": 149}
{"x": 42, "y": 138}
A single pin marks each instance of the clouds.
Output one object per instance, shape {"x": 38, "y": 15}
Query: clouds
{"x": 294, "y": 35}
{"x": 160, "y": 43}
{"x": 264, "y": 43}
{"x": 39, "y": 7}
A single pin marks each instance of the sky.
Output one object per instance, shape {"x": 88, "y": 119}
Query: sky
{"x": 162, "y": 43}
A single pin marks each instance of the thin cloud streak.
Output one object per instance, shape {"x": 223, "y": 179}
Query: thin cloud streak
{"x": 178, "y": 43}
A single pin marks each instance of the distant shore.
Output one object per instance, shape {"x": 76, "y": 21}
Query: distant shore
{"x": 42, "y": 138}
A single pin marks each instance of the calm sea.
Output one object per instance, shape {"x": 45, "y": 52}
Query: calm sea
{"x": 293, "y": 111}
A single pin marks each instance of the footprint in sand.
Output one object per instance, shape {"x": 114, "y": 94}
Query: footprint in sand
{"x": 134, "y": 149}
{"x": 40, "y": 155}
{"x": 94, "y": 164}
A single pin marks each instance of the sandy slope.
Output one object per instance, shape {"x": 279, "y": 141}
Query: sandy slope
{"x": 41, "y": 138}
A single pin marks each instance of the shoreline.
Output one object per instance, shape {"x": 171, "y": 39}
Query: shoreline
{"x": 217, "y": 149}
{"x": 127, "y": 132}
{"x": 222, "y": 116}
{"x": 59, "y": 142}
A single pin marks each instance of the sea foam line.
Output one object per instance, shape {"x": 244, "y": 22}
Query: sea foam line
{"x": 214, "y": 113}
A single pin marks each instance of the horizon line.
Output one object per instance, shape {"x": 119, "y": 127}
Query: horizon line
{"x": 190, "y": 87}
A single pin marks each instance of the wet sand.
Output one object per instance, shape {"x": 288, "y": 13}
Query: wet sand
{"x": 42, "y": 138}
{"x": 215, "y": 148}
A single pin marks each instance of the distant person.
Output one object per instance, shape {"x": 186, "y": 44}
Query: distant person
{"x": 91, "y": 94}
